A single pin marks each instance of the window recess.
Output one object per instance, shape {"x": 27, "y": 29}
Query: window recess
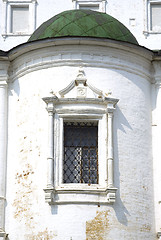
{"x": 80, "y": 163}
{"x": 155, "y": 15}
{"x": 80, "y": 156}
{"x": 152, "y": 17}
{"x": 19, "y": 19}
{"x": 96, "y": 5}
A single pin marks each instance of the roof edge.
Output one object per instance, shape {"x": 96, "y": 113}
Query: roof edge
{"x": 41, "y": 43}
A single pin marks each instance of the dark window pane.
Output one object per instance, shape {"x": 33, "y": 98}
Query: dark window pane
{"x": 80, "y": 152}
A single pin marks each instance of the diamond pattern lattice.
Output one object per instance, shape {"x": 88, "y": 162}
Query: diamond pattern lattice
{"x": 80, "y": 152}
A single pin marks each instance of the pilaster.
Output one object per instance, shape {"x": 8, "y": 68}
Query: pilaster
{"x": 156, "y": 138}
{"x": 50, "y": 157}
{"x": 49, "y": 190}
{"x": 111, "y": 193}
{"x": 3, "y": 140}
{"x": 110, "y": 159}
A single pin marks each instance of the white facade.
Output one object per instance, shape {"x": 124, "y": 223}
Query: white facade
{"x": 75, "y": 213}
{"x": 117, "y": 85}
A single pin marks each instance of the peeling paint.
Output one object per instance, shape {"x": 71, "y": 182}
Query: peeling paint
{"x": 145, "y": 188}
{"x": 145, "y": 228}
{"x": 23, "y": 198}
{"x": 44, "y": 235}
{"x": 96, "y": 229}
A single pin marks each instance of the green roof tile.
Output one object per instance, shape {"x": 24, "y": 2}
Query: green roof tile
{"x": 83, "y": 23}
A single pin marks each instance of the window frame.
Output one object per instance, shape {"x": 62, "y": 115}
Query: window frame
{"x": 148, "y": 18}
{"x": 80, "y": 108}
{"x": 100, "y": 3}
{"x": 7, "y": 18}
{"x": 11, "y": 20}
{"x": 59, "y": 142}
{"x": 78, "y": 150}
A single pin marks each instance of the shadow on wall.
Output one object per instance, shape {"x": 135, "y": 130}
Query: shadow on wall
{"x": 119, "y": 208}
{"x": 14, "y": 87}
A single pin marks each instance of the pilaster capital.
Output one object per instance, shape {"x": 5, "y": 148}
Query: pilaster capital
{"x": 4, "y": 66}
{"x": 50, "y": 108}
{"x": 50, "y": 104}
{"x": 157, "y": 73}
{"x": 111, "y": 103}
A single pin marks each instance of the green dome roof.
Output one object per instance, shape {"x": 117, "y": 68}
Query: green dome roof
{"x": 83, "y": 23}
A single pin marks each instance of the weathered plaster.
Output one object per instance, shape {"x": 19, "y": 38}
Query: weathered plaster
{"x": 132, "y": 216}
{"x": 97, "y": 228}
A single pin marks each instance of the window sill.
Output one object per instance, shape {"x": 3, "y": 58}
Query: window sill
{"x": 146, "y": 33}
{"x": 80, "y": 195}
{"x": 15, "y": 34}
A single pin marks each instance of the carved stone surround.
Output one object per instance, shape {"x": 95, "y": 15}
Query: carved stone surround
{"x": 80, "y": 101}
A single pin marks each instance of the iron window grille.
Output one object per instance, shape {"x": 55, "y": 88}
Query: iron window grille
{"x": 80, "y": 152}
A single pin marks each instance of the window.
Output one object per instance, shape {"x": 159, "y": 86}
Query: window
{"x": 96, "y": 5}
{"x": 155, "y": 14}
{"x": 19, "y": 17}
{"x": 152, "y": 17}
{"x": 80, "y": 163}
{"x": 80, "y": 158}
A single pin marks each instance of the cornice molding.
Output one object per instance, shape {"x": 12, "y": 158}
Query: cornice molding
{"x": 76, "y": 55}
{"x": 19, "y": 1}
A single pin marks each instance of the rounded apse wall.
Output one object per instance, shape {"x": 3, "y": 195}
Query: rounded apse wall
{"x": 123, "y": 70}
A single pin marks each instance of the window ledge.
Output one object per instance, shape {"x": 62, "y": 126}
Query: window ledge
{"x": 15, "y": 34}
{"x": 146, "y": 33}
{"x": 83, "y": 195}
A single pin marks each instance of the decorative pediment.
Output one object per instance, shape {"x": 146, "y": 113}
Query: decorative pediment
{"x": 80, "y": 91}
{"x": 81, "y": 88}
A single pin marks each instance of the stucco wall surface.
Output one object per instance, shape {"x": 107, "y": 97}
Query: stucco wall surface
{"x": 27, "y": 214}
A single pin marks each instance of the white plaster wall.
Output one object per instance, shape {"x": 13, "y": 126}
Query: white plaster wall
{"x": 27, "y": 214}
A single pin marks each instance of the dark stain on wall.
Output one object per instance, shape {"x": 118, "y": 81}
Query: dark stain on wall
{"x": 97, "y": 228}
